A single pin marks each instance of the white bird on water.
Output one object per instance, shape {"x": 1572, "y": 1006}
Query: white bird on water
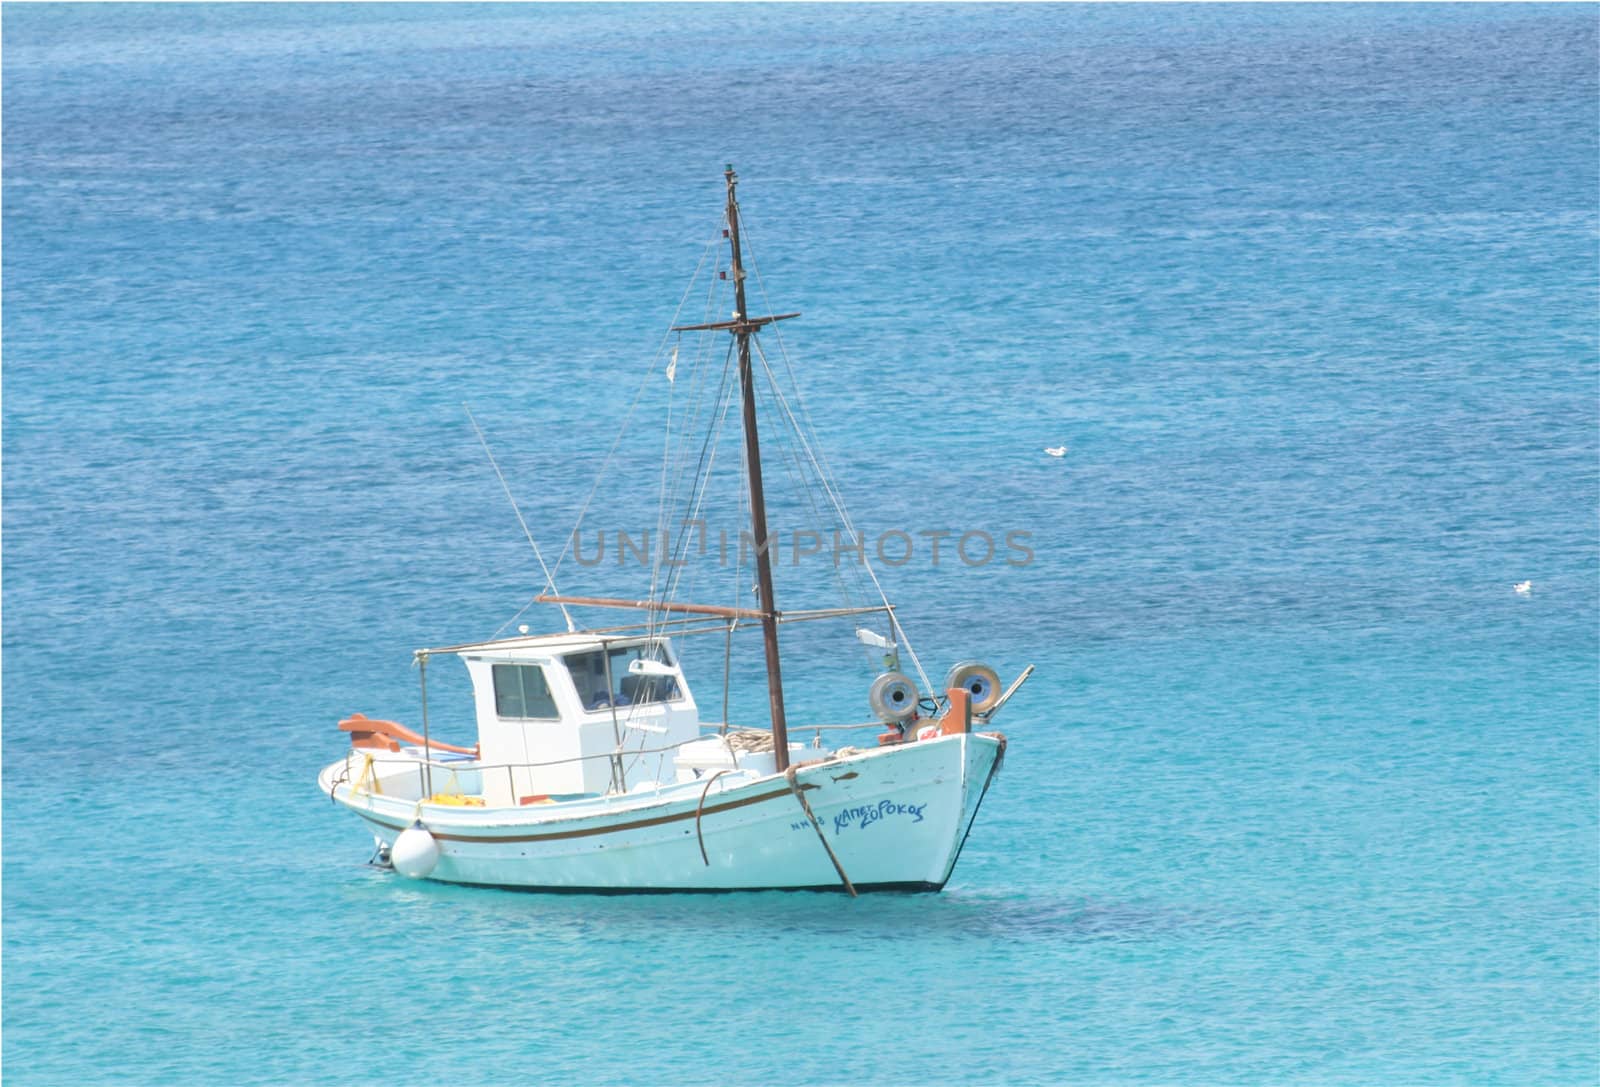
{"x": 1058, "y": 451}
{"x": 1523, "y": 588}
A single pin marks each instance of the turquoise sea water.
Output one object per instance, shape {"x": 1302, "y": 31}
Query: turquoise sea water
{"x": 1302, "y": 792}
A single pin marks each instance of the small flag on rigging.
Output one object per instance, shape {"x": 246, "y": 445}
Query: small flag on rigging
{"x": 672, "y": 366}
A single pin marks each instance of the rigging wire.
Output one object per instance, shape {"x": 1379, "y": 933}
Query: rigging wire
{"x": 639, "y": 395}
{"x": 703, "y": 354}
{"x": 788, "y": 446}
{"x": 666, "y": 457}
{"x": 701, "y": 478}
{"x": 824, "y": 474}
{"x": 694, "y": 425}
{"x": 549, "y": 578}
{"x": 804, "y": 463}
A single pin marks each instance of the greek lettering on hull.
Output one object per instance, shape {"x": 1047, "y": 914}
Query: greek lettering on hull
{"x": 865, "y": 815}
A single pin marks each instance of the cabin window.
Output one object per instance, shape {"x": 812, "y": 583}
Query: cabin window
{"x": 589, "y": 677}
{"x": 520, "y": 690}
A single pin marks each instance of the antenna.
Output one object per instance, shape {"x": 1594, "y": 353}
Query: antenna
{"x": 549, "y": 578}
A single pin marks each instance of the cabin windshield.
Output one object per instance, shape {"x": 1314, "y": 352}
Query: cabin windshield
{"x": 520, "y": 690}
{"x": 627, "y": 689}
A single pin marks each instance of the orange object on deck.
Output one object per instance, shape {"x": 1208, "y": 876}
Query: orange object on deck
{"x": 370, "y": 732}
{"x": 958, "y": 718}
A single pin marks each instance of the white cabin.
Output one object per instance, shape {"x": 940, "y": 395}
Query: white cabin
{"x": 571, "y": 701}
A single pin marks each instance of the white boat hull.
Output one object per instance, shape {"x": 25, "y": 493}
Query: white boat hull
{"x": 894, "y": 818}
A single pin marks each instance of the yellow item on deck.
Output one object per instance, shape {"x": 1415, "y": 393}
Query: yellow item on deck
{"x": 369, "y": 778}
{"x": 457, "y": 800}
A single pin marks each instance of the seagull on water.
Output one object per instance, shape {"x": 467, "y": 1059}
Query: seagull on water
{"x": 1057, "y": 451}
{"x": 1523, "y": 588}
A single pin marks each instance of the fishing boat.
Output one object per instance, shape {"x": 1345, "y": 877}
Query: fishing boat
{"x": 593, "y": 770}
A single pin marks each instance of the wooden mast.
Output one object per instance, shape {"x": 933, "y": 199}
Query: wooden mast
{"x": 743, "y": 327}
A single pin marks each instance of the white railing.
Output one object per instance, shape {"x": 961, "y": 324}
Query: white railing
{"x": 369, "y": 779}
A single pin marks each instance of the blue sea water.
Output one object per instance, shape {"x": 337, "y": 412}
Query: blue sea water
{"x": 1302, "y": 791}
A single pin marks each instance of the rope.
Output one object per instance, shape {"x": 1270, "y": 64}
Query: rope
{"x": 699, "y": 811}
{"x": 796, "y": 788}
{"x": 749, "y": 741}
{"x": 342, "y": 779}
{"x": 374, "y": 788}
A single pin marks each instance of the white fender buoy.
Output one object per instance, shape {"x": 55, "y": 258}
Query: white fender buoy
{"x": 415, "y": 852}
